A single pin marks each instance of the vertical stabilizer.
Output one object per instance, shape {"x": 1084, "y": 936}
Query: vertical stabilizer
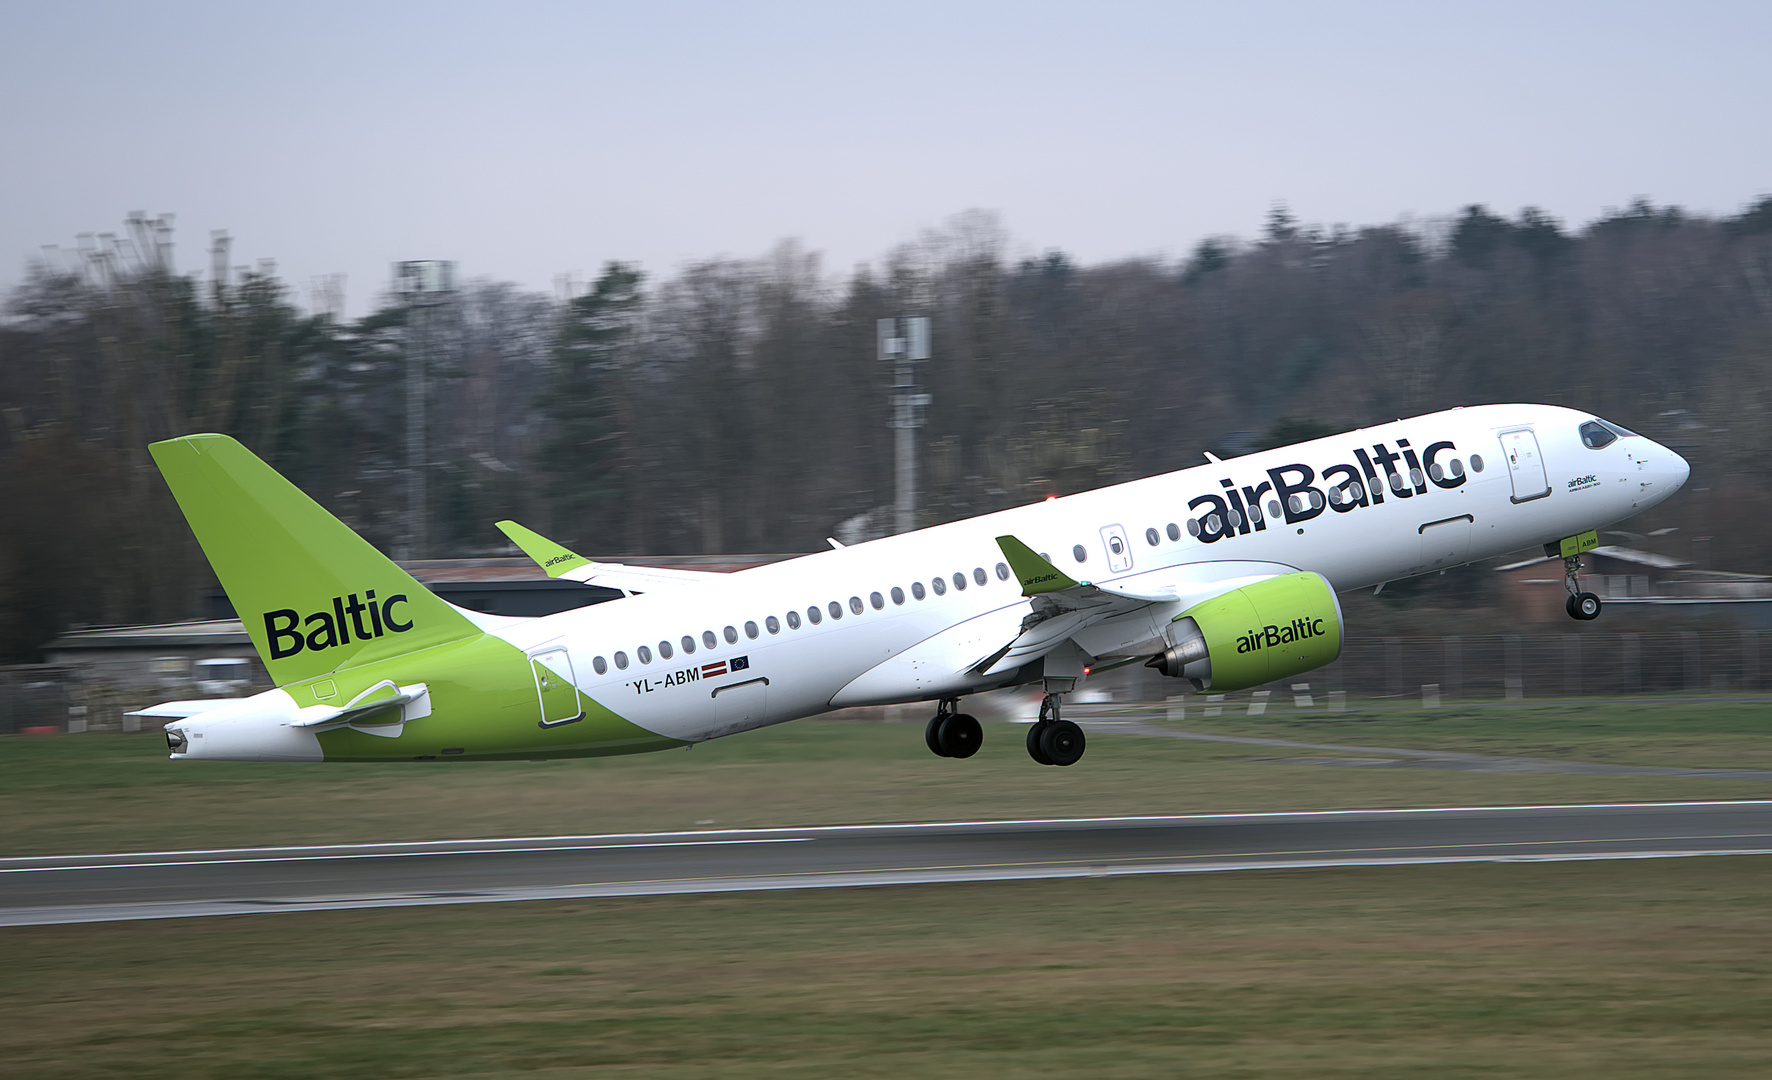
{"x": 314, "y": 596}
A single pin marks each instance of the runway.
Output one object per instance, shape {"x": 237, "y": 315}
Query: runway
{"x": 178, "y": 884}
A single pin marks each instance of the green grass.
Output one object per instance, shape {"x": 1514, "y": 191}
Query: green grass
{"x": 1701, "y": 734}
{"x": 1623, "y": 969}
{"x": 90, "y": 793}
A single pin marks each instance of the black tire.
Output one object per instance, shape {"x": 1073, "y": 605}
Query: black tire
{"x": 1062, "y": 742}
{"x": 1586, "y": 606}
{"x": 1569, "y": 606}
{"x": 1034, "y": 751}
{"x": 932, "y": 735}
{"x": 960, "y": 736}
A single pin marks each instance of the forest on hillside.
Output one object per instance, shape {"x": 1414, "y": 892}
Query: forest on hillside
{"x": 738, "y": 405}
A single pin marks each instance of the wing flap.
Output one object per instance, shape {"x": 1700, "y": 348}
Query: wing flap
{"x": 1061, "y": 607}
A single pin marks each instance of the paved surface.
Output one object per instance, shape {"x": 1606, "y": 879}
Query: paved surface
{"x": 1130, "y": 723}
{"x": 93, "y": 888}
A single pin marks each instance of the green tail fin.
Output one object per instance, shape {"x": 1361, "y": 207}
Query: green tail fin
{"x": 314, "y": 595}
{"x": 552, "y": 557}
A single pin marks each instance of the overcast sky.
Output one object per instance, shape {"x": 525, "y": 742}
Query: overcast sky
{"x": 530, "y": 139}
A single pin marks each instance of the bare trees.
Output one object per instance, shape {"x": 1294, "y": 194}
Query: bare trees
{"x": 737, "y": 404}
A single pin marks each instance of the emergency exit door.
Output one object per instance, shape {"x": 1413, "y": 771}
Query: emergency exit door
{"x": 555, "y": 687}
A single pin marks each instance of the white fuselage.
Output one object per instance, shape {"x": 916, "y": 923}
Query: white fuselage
{"x": 1188, "y": 532}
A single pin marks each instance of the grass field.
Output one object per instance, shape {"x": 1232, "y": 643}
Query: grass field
{"x": 1655, "y": 968}
{"x": 87, "y": 793}
{"x": 1619, "y": 969}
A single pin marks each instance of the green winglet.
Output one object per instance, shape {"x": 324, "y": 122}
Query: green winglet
{"x": 1035, "y": 574}
{"x": 553, "y": 558}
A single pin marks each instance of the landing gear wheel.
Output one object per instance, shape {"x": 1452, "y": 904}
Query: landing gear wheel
{"x": 1580, "y": 605}
{"x": 1034, "y": 751}
{"x": 1062, "y": 743}
{"x": 959, "y": 736}
{"x": 932, "y": 735}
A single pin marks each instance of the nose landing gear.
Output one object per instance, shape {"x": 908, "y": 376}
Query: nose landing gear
{"x": 1052, "y": 740}
{"x": 953, "y": 734}
{"x": 1580, "y": 605}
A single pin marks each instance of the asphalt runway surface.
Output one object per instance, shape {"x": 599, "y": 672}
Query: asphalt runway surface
{"x": 100, "y": 888}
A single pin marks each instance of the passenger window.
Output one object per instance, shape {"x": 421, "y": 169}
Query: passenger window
{"x": 793, "y": 620}
{"x": 917, "y": 589}
{"x": 772, "y": 625}
{"x": 1174, "y": 533}
{"x": 939, "y": 586}
{"x": 855, "y": 605}
{"x": 877, "y": 600}
{"x": 664, "y": 650}
{"x": 1150, "y": 537}
{"x": 599, "y": 665}
{"x": 731, "y": 634}
{"x": 1595, "y": 435}
{"x": 1236, "y": 519}
{"x": 979, "y": 575}
{"x": 621, "y": 661}
{"x": 959, "y": 581}
{"x": 1213, "y": 523}
{"x": 688, "y": 645}
{"x": 1078, "y": 553}
{"x": 897, "y": 595}
{"x": 645, "y": 654}
{"x": 1116, "y": 546}
{"x": 1273, "y": 509}
{"x": 750, "y": 630}
{"x": 1193, "y": 527}
{"x": 836, "y": 610}
{"x": 1002, "y": 571}
{"x": 1476, "y": 463}
{"x": 814, "y": 616}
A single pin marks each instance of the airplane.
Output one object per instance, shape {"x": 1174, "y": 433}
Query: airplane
{"x": 1223, "y": 576}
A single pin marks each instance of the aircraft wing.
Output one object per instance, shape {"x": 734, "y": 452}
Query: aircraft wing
{"x": 1061, "y": 607}
{"x": 562, "y": 562}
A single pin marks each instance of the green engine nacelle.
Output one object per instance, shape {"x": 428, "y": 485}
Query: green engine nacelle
{"x": 1270, "y": 630}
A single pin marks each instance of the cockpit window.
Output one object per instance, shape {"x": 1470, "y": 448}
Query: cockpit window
{"x": 1619, "y": 431}
{"x": 1595, "y": 435}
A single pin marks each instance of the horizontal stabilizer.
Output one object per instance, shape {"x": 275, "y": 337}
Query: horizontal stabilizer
{"x": 383, "y": 696}
{"x": 179, "y": 710}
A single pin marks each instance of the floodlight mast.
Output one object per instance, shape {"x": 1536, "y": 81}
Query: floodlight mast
{"x": 903, "y": 351}
{"x": 425, "y": 286}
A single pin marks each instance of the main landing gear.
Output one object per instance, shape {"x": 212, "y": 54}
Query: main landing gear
{"x": 953, "y": 734}
{"x": 1580, "y": 605}
{"x": 1052, "y": 741}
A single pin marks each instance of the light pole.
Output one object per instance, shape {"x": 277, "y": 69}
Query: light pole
{"x": 904, "y": 350}
{"x": 425, "y": 286}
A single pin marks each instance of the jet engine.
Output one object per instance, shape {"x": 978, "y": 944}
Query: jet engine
{"x": 1270, "y": 630}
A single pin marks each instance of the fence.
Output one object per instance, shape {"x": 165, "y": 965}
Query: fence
{"x": 37, "y": 696}
{"x": 1501, "y": 666}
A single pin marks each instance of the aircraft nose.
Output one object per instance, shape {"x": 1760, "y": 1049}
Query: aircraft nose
{"x": 1674, "y": 470}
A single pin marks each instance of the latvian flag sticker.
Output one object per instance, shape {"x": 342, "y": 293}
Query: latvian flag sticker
{"x": 722, "y": 667}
